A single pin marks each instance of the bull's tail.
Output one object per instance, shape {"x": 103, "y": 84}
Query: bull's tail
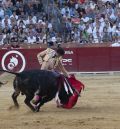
{"x": 1, "y": 70}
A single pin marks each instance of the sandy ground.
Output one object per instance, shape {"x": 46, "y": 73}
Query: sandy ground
{"x": 97, "y": 108}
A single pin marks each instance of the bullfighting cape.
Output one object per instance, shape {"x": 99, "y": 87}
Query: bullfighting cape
{"x": 78, "y": 86}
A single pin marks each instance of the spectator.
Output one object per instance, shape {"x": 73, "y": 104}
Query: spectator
{"x": 14, "y": 15}
{"x": 89, "y": 28}
{"x": 2, "y": 37}
{"x": 21, "y": 24}
{"x": 30, "y": 20}
{"x": 22, "y": 37}
{"x": 8, "y": 11}
{"x": 106, "y": 37}
{"x": 65, "y": 10}
{"x": 40, "y": 6}
{"x": 1, "y": 12}
{"x": 13, "y": 22}
{"x": 13, "y": 36}
{"x": 7, "y": 3}
{"x": 89, "y": 21}
{"x": 6, "y": 36}
{"x": 96, "y": 33}
{"x": 75, "y": 35}
{"x": 6, "y": 22}
{"x": 31, "y": 39}
{"x": 41, "y": 38}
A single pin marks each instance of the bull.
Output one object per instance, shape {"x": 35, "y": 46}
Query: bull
{"x": 28, "y": 82}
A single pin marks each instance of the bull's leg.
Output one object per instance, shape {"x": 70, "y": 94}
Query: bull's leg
{"x": 27, "y": 102}
{"x": 44, "y": 100}
{"x": 14, "y": 97}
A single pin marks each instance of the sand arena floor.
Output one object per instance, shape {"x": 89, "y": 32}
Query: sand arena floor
{"x": 98, "y": 107}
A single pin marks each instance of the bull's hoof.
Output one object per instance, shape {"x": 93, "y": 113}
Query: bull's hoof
{"x": 37, "y": 109}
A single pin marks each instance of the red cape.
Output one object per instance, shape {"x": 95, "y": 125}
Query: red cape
{"x": 73, "y": 99}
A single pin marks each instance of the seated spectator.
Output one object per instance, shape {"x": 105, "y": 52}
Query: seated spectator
{"x": 21, "y": 19}
{"x": 8, "y": 11}
{"x": 31, "y": 39}
{"x": 22, "y": 37}
{"x": 32, "y": 30}
{"x": 65, "y": 10}
{"x": 22, "y": 16}
{"x": 116, "y": 35}
{"x": 14, "y": 15}
{"x": 6, "y": 3}
{"x": 75, "y": 35}
{"x": 40, "y": 38}
{"x": 89, "y": 28}
{"x": 1, "y": 12}
{"x": 30, "y": 20}
{"x": 42, "y": 23}
{"x": 40, "y": 6}
{"x": 84, "y": 37}
{"x": 112, "y": 30}
{"x": 50, "y": 26}
{"x": 21, "y": 24}
{"x": 66, "y": 15}
{"x": 1, "y": 38}
{"x": 52, "y": 33}
{"x": 118, "y": 31}
{"x": 106, "y": 37}
{"x": 38, "y": 28}
{"x": 13, "y": 36}
{"x": 19, "y": 3}
{"x": 13, "y": 22}
{"x": 96, "y": 34}
{"x": 5, "y": 20}
{"x": 26, "y": 7}
{"x": 112, "y": 16}
{"x": 6, "y": 36}
{"x": 0, "y": 23}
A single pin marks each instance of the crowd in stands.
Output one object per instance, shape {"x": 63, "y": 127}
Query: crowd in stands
{"x": 77, "y": 21}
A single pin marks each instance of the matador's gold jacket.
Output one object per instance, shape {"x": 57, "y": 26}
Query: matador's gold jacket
{"x": 49, "y": 61}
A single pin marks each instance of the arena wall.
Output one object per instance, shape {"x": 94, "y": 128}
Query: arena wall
{"x": 92, "y": 59}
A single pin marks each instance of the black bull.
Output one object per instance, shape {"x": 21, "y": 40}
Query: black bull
{"x": 28, "y": 82}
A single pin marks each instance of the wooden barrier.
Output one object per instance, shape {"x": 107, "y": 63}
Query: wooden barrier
{"x": 81, "y": 59}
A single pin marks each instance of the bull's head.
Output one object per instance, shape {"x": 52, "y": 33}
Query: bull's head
{"x": 64, "y": 96}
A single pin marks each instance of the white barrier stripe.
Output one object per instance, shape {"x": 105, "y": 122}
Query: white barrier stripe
{"x": 97, "y": 72}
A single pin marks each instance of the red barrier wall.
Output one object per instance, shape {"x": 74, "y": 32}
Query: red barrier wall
{"x": 75, "y": 59}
